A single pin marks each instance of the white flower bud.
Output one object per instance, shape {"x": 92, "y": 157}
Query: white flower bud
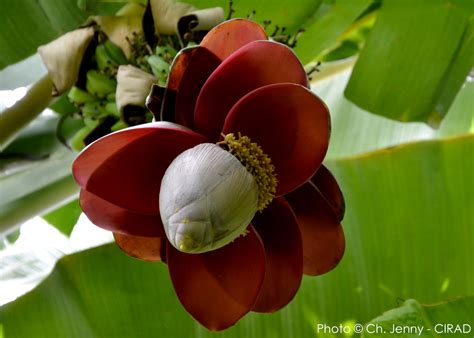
{"x": 207, "y": 199}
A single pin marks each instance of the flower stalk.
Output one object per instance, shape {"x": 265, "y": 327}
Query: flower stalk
{"x": 13, "y": 119}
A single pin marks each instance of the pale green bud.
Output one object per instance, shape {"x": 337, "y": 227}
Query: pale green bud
{"x": 207, "y": 199}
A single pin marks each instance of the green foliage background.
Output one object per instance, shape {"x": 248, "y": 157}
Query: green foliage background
{"x": 408, "y": 187}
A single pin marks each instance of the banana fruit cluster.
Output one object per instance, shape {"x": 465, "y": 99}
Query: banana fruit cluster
{"x": 96, "y": 100}
{"x": 160, "y": 62}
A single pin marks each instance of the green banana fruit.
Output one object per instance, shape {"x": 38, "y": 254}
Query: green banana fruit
{"x": 91, "y": 123}
{"x": 168, "y": 53}
{"x": 159, "y": 67}
{"x": 118, "y": 125}
{"x": 78, "y": 96}
{"x": 111, "y": 109}
{"x": 103, "y": 58}
{"x": 99, "y": 84}
{"x": 111, "y": 97}
{"x": 77, "y": 141}
{"x": 115, "y": 52}
{"x": 94, "y": 110}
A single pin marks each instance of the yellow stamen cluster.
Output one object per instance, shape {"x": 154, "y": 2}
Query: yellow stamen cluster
{"x": 257, "y": 163}
{"x": 245, "y": 233}
{"x": 242, "y": 235}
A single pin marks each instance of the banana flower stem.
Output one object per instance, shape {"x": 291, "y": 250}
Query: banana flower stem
{"x": 13, "y": 119}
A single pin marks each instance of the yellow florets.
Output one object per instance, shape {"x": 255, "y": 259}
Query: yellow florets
{"x": 257, "y": 163}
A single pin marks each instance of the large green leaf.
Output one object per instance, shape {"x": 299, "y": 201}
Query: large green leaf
{"x": 37, "y": 141}
{"x": 32, "y": 187}
{"x": 26, "y": 27}
{"x": 29, "y": 24}
{"x": 43, "y": 200}
{"x": 356, "y": 131}
{"x": 35, "y": 175}
{"x": 326, "y": 25}
{"x": 409, "y": 235}
{"x": 17, "y": 183}
{"x": 415, "y": 60}
{"x": 453, "y": 317}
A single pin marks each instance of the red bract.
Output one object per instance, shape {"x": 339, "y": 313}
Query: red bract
{"x": 236, "y": 81}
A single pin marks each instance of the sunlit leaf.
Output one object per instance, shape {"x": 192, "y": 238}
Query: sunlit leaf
{"x": 7, "y": 240}
{"x": 356, "y": 131}
{"x": 415, "y": 60}
{"x": 30, "y": 259}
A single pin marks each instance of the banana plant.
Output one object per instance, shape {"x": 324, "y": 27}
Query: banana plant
{"x": 359, "y": 56}
{"x": 109, "y": 55}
